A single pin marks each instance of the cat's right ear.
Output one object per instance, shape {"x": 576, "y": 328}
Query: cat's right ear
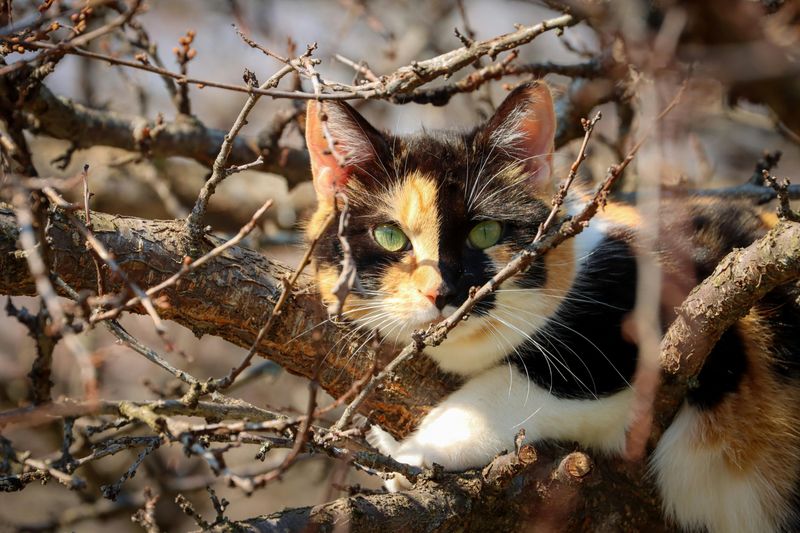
{"x": 524, "y": 126}
{"x": 339, "y": 141}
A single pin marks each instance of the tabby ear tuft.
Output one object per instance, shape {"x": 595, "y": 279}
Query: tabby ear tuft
{"x": 355, "y": 141}
{"x": 524, "y": 127}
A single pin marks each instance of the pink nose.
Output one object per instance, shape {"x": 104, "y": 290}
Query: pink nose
{"x": 431, "y": 295}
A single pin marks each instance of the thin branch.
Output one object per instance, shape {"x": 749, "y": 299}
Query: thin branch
{"x": 194, "y": 221}
{"x": 46, "y": 341}
{"x": 403, "y": 80}
{"x": 35, "y": 415}
{"x": 781, "y": 189}
{"x": 120, "y": 333}
{"x": 40, "y": 273}
{"x": 360, "y": 67}
{"x": 76, "y": 42}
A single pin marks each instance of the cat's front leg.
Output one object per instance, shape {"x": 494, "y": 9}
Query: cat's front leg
{"x": 482, "y": 419}
{"x": 457, "y": 434}
{"x": 385, "y": 443}
{"x": 432, "y": 443}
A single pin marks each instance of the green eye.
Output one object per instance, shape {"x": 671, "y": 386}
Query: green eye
{"x": 485, "y": 234}
{"x": 390, "y": 237}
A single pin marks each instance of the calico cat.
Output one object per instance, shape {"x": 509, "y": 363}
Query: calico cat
{"x": 436, "y": 213}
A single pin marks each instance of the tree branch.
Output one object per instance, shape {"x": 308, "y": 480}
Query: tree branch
{"x": 547, "y": 489}
{"x": 228, "y": 298}
{"x": 61, "y": 118}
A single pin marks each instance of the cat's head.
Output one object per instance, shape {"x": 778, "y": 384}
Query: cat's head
{"x": 436, "y": 213}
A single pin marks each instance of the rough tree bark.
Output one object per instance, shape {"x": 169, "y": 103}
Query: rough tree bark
{"x": 229, "y": 298}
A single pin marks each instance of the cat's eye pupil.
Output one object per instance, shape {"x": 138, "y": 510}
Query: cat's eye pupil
{"x": 485, "y": 234}
{"x": 390, "y": 237}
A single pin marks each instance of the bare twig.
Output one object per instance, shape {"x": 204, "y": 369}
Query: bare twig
{"x": 41, "y": 369}
{"x": 403, "y": 80}
{"x": 146, "y": 516}
{"x": 78, "y": 41}
{"x": 184, "y": 54}
{"x": 785, "y": 210}
{"x": 112, "y": 491}
{"x": 194, "y": 221}
{"x": 348, "y": 276}
{"x": 35, "y": 415}
{"x": 118, "y": 331}
{"x": 302, "y": 437}
{"x": 360, "y": 67}
{"x": 44, "y": 287}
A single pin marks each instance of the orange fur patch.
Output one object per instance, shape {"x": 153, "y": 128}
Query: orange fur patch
{"x": 757, "y": 428}
{"x": 769, "y": 219}
{"x": 414, "y": 201}
{"x": 314, "y": 224}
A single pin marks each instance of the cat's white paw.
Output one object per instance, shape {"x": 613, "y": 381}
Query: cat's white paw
{"x": 397, "y": 483}
{"x": 385, "y": 443}
{"x": 406, "y": 456}
{"x": 382, "y": 440}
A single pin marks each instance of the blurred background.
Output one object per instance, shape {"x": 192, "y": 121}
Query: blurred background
{"x": 738, "y": 104}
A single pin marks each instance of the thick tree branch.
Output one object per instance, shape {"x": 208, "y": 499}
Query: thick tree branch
{"x": 47, "y": 114}
{"x": 228, "y": 298}
{"x": 547, "y": 489}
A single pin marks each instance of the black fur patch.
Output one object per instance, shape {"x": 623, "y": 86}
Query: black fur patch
{"x": 722, "y": 371}
{"x": 580, "y": 352}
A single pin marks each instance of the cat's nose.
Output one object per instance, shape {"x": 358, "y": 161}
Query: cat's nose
{"x": 441, "y": 300}
{"x": 441, "y": 296}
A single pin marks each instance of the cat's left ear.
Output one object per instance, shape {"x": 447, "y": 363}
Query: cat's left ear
{"x": 524, "y": 126}
{"x": 333, "y": 126}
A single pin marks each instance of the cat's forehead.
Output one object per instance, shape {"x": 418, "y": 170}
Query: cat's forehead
{"x": 413, "y": 200}
{"x": 441, "y": 178}
{"x": 467, "y": 179}
{"x": 441, "y": 155}
{"x": 426, "y": 180}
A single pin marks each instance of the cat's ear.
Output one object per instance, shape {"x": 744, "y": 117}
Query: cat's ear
{"x": 336, "y": 126}
{"x": 524, "y": 126}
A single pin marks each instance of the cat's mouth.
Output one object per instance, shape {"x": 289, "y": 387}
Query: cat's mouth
{"x": 422, "y": 319}
{"x": 441, "y": 315}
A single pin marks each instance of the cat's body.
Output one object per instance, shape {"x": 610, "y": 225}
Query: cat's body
{"x": 553, "y": 349}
